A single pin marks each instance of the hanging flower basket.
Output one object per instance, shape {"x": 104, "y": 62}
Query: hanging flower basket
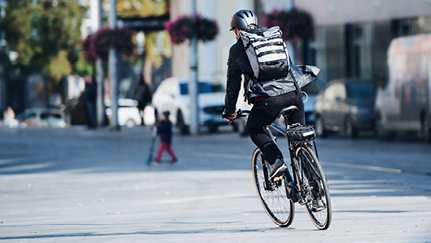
{"x": 295, "y": 24}
{"x": 88, "y": 49}
{"x": 98, "y": 45}
{"x": 207, "y": 29}
{"x": 181, "y": 29}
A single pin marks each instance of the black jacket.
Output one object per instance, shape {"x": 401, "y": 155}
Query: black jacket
{"x": 237, "y": 65}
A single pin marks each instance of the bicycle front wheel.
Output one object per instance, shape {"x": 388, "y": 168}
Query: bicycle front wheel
{"x": 315, "y": 188}
{"x": 272, "y": 193}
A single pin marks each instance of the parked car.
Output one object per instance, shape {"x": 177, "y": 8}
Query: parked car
{"x": 172, "y": 95}
{"x": 41, "y": 117}
{"x": 312, "y": 90}
{"x": 345, "y": 105}
{"x": 128, "y": 112}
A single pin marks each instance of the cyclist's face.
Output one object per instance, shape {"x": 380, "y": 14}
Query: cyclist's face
{"x": 236, "y": 31}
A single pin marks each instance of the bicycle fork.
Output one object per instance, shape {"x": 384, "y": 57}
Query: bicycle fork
{"x": 303, "y": 169}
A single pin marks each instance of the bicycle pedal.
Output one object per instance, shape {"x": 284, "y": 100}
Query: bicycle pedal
{"x": 317, "y": 205}
{"x": 278, "y": 178}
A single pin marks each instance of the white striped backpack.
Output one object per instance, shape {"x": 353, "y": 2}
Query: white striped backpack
{"x": 266, "y": 52}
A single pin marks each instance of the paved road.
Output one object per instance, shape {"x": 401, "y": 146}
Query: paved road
{"x": 75, "y": 185}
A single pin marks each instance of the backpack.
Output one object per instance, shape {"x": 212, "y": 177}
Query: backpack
{"x": 266, "y": 52}
{"x": 274, "y": 73}
{"x": 269, "y": 61}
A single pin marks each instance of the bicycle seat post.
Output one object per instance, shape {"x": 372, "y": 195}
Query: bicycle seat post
{"x": 285, "y": 112}
{"x": 286, "y": 119}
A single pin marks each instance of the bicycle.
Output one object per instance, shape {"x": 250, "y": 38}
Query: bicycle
{"x": 309, "y": 188}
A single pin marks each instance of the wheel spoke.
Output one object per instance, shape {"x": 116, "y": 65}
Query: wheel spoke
{"x": 273, "y": 195}
{"x": 316, "y": 193}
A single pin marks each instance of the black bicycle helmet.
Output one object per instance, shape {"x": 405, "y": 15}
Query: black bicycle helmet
{"x": 242, "y": 19}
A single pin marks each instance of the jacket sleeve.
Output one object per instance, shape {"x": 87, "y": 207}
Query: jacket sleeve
{"x": 234, "y": 72}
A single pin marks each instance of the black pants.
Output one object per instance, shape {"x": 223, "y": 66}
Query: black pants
{"x": 264, "y": 112}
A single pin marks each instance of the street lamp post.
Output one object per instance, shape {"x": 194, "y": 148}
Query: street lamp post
{"x": 113, "y": 69}
{"x": 96, "y": 20}
{"x": 289, "y": 45}
{"x": 140, "y": 39}
{"x": 2, "y": 45}
{"x": 193, "y": 83}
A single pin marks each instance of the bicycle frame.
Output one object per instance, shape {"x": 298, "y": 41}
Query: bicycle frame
{"x": 284, "y": 132}
{"x": 273, "y": 138}
{"x": 295, "y": 164}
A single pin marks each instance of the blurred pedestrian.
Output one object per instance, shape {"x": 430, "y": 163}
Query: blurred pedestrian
{"x": 142, "y": 93}
{"x": 164, "y": 129}
{"x": 90, "y": 95}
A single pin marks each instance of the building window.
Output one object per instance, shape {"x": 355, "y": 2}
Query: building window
{"x": 313, "y": 47}
{"x": 354, "y": 42}
{"x": 404, "y": 27}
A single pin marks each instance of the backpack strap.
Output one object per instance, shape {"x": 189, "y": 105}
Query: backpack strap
{"x": 295, "y": 83}
{"x": 293, "y": 77}
{"x": 247, "y": 46}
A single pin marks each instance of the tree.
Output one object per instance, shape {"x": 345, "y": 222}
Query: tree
{"x": 155, "y": 41}
{"x": 45, "y": 34}
{"x": 141, "y": 8}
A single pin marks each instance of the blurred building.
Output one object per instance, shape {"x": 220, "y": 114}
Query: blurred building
{"x": 351, "y": 37}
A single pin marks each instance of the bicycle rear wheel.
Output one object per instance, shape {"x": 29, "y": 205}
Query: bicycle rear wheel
{"x": 315, "y": 187}
{"x": 272, "y": 193}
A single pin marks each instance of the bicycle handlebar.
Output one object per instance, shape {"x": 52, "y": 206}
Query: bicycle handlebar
{"x": 240, "y": 113}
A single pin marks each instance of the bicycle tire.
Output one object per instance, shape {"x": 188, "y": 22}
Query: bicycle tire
{"x": 274, "y": 198}
{"x": 320, "y": 218}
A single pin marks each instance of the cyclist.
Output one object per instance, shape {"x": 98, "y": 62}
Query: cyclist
{"x": 265, "y": 107}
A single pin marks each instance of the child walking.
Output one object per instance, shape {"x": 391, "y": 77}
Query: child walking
{"x": 164, "y": 129}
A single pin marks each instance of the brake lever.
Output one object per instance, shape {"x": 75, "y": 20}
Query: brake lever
{"x": 239, "y": 114}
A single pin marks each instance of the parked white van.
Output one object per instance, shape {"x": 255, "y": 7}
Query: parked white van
{"x": 404, "y": 90}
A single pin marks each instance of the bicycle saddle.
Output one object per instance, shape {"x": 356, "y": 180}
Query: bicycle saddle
{"x": 287, "y": 110}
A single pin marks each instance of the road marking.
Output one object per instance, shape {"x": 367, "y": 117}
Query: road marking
{"x": 26, "y": 167}
{"x": 337, "y": 164}
{"x": 220, "y": 155}
{"x": 208, "y": 197}
{"x": 363, "y": 167}
{"x": 8, "y": 161}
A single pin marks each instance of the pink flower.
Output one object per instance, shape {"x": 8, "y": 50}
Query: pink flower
{"x": 295, "y": 24}
{"x": 182, "y": 28}
{"x": 98, "y": 45}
